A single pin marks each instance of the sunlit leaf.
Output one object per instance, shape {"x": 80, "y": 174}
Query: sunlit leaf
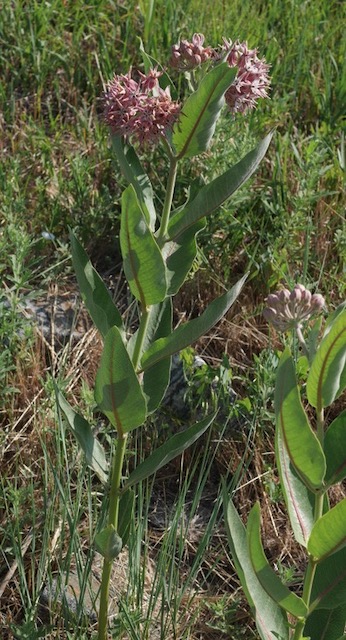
{"x": 327, "y": 377}
{"x": 301, "y": 443}
{"x": 270, "y": 582}
{"x": 117, "y": 390}
{"x": 328, "y": 534}
{"x": 196, "y": 124}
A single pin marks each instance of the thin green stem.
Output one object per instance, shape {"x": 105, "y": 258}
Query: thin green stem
{"x": 172, "y": 176}
{"x": 114, "y": 497}
{"x": 142, "y": 331}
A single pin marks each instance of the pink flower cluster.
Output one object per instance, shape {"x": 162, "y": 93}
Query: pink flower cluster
{"x": 140, "y": 109}
{"x": 286, "y": 309}
{"x": 252, "y": 80}
{"x": 189, "y": 55}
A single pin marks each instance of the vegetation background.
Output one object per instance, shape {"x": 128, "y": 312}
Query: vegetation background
{"x": 56, "y": 171}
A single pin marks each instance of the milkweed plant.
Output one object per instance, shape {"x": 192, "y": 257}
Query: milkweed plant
{"x": 311, "y": 459}
{"x": 158, "y": 248}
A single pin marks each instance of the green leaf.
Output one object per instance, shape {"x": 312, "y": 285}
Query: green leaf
{"x": 117, "y": 390}
{"x": 126, "y": 505}
{"x": 212, "y": 195}
{"x": 270, "y": 582}
{"x": 95, "y": 294}
{"x": 108, "y": 543}
{"x": 300, "y": 501}
{"x": 143, "y": 263}
{"x": 302, "y": 445}
{"x": 327, "y": 377}
{"x": 171, "y": 449}
{"x": 329, "y": 585}
{"x": 179, "y": 255}
{"x": 335, "y": 451}
{"x": 136, "y": 176}
{"x": 92, "y": 448}
{"x": 271, "y": 621}
{"x": 189, "y": 332}
{"x": 325, "y": 625}
{"x": 156, "y": 379}
{"x": 328, "y": 534}
{"x": 196, "y": 124}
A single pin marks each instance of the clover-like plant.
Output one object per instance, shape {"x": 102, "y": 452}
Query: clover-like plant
{"x": 311, "y": 460}
{"x": 158, "y": 249}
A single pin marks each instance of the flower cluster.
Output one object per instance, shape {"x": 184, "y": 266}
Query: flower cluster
{"x": 189, "y": 55}
{"x": 140, "y": 109}
{"x": 286, "y": 309}
{"x": 252, "y": 80}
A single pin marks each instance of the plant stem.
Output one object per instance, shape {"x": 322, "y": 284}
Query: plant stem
{"x": 168, "y": 200}
{"x": 114, "y": 497}
{"x": 142, "y": 330}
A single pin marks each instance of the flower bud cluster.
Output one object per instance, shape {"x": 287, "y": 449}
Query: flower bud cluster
{"x": 140, "y": 109}
{"x": 189, "y": 55}
{"x": 286, "y": 309}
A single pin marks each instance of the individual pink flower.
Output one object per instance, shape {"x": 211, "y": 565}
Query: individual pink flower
{"x": 139, "y": 109}
{"x": 189, "y": 55}
{"x": 287, "y": 309}
{"x": 252, "y": 80}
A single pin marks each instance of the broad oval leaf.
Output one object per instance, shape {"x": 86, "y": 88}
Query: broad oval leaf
{"x": 179, "y": 255}
{"x": 144, "y": 266}
{"x": 329, "y": 585}
{"x": 271, "y": 620}
{"x": 92, "y": 448}
{"x": 117, "y": 389}
{"x": 335, "y": 451}
{"x": 189, "y": 332}
{"x": 327, "y": 377}
{"x": 196, "y": 124}
{"x": 325, "y": 625}
{"x": 135, "y": 175}
{"x": 95, "y": 294}
{"x": 168, "y": 451}
{"x": 108, "y": 543}
{"x": 301, "y": 443}
{"x": 212, "y": 195}
{"x": 300, "y": 501}
{"x": 270, "y": 582}
{"x": 328, "y": 534}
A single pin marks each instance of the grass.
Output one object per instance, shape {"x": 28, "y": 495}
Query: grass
{"x": 56, "y": 170}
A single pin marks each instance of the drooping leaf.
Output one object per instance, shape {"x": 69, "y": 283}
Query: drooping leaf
{"x": 196, "y": 124}
{"x": 126, "y": 505}
{"x": 212, "y": 195}
{"x": 189, "y": 332}
{"x": 301, "y": 443}
{"x": 169, "y": 450}
{"x": 328, "y": 534}
{"x": 325, "y": 625}
{"x": 117, "y": 390}
{"x": 179, "y": 255}
{"x": 300, "y": 501}
{"x": 270, "y": 582}
{"x": 271, "y": 620}
{"x": 92, "y": 448}
{"x": 95, "y": 294}
{"x": 143, "y": 262}
{"x": 327, "y": 377}
{"x": 334, "y": 450}
{"x": 135, "y": 175}
{"x": 329, "y": 585}
{"x": 108, "y": 543}
{"x": 156, "y": 379}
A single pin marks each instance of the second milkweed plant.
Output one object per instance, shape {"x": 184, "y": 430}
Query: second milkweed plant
{"x": 158, "y": 248}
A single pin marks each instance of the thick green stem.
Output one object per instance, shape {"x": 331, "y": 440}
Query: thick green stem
{"x": 114, "y": 497}
{"x": 168, "y": 200}
{"x": 142, "y": 331}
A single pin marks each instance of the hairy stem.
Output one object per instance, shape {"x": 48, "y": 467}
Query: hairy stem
{"x": 168, "y": 201}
